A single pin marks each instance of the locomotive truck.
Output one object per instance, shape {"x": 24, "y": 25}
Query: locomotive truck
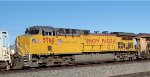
{"x": 49, "y": 46}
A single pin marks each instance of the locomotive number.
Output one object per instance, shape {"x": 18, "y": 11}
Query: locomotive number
{"x": 48, "y": 40}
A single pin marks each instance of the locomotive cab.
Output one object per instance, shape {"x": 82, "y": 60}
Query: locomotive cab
{"x": 44, "y": 31}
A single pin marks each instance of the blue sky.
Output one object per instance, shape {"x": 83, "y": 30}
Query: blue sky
{"x": 124, "y": 16}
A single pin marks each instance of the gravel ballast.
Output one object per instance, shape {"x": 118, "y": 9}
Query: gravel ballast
{"x": 95, "y": 71}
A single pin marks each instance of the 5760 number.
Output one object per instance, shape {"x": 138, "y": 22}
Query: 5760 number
{"x": 48, "y": 40}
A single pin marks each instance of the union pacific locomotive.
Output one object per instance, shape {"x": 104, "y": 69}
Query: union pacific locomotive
{"x": 49, "y": 46}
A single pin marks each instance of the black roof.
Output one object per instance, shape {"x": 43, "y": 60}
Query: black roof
{"x": 44, "y": 28}
{"x": 123, "y": 33}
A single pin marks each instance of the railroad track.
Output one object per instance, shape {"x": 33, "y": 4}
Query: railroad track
{"x": 26, "y": 70}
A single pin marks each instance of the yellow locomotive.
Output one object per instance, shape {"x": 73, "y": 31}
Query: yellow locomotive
{"x": 48, "y": 46}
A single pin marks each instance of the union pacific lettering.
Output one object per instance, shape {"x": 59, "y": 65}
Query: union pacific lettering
{"x": 48, "y": 40}
{"x": 100, "y": 41}
{"x": 92, "y": 40}
{"x": 108, "y": 40}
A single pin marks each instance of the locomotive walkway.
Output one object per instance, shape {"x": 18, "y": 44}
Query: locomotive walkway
{"x": 92, "y": 70}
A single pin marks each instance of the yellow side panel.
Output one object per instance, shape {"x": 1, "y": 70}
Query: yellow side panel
{"x": 69, "y": 45}
{"x": 37, "y": 44}
{"x": 58, "y": 44}
{"x": 87, "y": 49}
{"x": 23, "y": 44}
{"x": 99, "y": 43}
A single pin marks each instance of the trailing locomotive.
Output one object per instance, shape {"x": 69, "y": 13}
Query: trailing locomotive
{"x": 5, "y": 61}
{"x": 143, "y": 45}
{"x": 49, "y": 46}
